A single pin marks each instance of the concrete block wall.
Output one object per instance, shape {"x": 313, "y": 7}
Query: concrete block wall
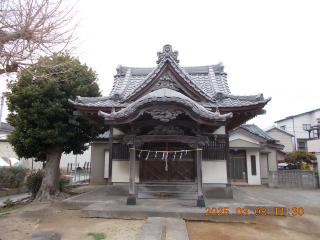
{"x": 291, "y": 179}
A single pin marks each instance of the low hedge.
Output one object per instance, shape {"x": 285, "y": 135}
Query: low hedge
{"x": 12, "y": 177}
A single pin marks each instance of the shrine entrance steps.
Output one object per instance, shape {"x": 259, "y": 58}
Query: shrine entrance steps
{"x": 166, "y": 190}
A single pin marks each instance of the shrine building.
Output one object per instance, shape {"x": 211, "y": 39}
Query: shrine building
{"x": 168, "y": 129}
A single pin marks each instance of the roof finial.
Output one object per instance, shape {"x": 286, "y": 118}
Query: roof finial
{"x": 167, "y": 53}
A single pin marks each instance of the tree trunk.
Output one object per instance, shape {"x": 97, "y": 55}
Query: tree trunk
{"x": 50, "y": 183}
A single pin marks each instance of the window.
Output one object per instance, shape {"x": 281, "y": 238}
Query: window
{"x": 302, "y": 145}
{"x": 283, "y": 127}
{"x": 306, "y": 126}
{"x": 253, "y": 166}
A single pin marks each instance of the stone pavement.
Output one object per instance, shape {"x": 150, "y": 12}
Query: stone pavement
{"x": 175, "y": 229}
{"x": 14, "y": 198}
{"x": 242, "y": 208}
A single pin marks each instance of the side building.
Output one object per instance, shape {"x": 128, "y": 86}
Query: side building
{"x": 253, "y": 153}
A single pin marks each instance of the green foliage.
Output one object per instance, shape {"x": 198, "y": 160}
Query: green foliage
{"x": 97, "y": 236}
{"x": 305, "y": 166}
{"x": 34, "y": 181}
{"x": 12, "y": 177}
{"x": 63, "y": 182}
{"x": 4, "y": 211}
{"x": 40, "y": 111}
{"x": 8, "y": 203}
{"x": 299, "y": 158}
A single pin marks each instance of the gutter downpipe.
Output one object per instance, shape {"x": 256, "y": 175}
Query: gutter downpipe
{"x": 294, "y": 133}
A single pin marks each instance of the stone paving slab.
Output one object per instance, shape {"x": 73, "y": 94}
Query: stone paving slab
{"x": 176, "y": 229}
{"x": 169, "y": 208}
{"x": 152, "y": 229}
{"x": 242, "y": 208}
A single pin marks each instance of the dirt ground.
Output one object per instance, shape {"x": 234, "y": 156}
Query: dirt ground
{"x": 266, "y": 227}
{"x": 35, "y": 216}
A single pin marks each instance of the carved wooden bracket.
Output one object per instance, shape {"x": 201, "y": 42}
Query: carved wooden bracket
{"x": 164, "y": 115}
{"x": 201, "y": 141}
{"x": 166, "y": 130}
{"x": 131, "y": 139}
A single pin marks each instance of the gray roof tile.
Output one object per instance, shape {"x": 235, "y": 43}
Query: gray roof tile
{"x": 257, "y": 131}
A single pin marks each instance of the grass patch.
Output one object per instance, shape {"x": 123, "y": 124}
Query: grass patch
{"x": 3, "y": 215}
{"x": 97, "y": 236}
{"x": 9, "y": 209}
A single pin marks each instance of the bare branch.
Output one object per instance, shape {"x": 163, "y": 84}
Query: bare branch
{"x": 33, "y": 28}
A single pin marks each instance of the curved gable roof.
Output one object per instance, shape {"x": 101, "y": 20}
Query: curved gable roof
{"x": 166, "y": 95}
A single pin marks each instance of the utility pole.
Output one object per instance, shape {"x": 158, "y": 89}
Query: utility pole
{"x": 2, "y": 103}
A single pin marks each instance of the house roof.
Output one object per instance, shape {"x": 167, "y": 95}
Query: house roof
{"x": 3, "y": 137}
{"x": 6, "y": 127}
{"x": 256, "y": 131}
{"x": 315, "y": 110}
{"x": 280, "y": 130}
{"x": 104, "y": 135}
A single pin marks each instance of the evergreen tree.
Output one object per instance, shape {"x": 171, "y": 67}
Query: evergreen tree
{"x": 45, "y": 126}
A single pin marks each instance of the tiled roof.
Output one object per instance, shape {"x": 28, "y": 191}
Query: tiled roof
{"x": 6, "y": 127}
{"x": 97, "y": 102}
{"x": 104, "y": 135}
{"x": 166, "y": 95}
{"x": 257, "y": 131}
{"x": 209, "y": 81}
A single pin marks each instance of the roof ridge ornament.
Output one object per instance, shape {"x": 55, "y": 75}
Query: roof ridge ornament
{"x": 167, "y": 53}
{"x": 166, "y": 82}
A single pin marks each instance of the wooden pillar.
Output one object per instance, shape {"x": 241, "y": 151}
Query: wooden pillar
{"x": 110, "y": 154}
{"x": 200, "y": 200}
{"x": 131, "y": 200}
{"x": 228, "y": 157}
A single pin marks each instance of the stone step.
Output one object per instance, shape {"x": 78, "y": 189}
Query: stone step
{"x": 164, "y": 194}
{"x": 169, "y": 188}
{"x": 176, "y": 229}
{"x": 152, "y": 229}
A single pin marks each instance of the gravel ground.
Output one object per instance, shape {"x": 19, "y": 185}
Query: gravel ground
{"x": 286, "y": 196}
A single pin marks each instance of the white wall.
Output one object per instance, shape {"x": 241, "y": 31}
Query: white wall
{"x": 6, "y": 150}
{"x": 220, "y": 130}
{"x": 121, "y": 171}
{"x": 70, "y": 158}
{"x": 243, "y": 136}
{"x": 214, "y": 171}
{"x": 283, "y": 138}
{"x": 309, "y": 118}
{"x": 314, "y": 145}
{"x": 256, "y": 179}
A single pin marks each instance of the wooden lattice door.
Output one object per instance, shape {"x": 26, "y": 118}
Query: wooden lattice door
{"x": 153, "y": 167}
{"x": 238, "y": 166}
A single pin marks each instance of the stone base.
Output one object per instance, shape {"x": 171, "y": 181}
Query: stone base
{"x": 218, "y": 192}
{"x": 201, "y": 203}
{"x": 131, "y": 200}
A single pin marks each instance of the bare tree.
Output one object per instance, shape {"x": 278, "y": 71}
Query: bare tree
{"x": 33, "y": 28}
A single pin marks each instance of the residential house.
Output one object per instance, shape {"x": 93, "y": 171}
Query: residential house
{"x": 253, "y": 153}
{"x": 304, "y": 127}
{"x": 284, "y": 138}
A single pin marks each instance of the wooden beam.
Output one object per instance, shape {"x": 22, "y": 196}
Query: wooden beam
{"x": 200, "y": 200}
{"x": 110, "y": 154}
{"x": 131, "y": 200}
{"x": 167, "y": 138}
{"x": 228, "y": 157}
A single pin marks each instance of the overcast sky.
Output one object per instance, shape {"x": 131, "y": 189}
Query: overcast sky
{"x": 269, "y": 47}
